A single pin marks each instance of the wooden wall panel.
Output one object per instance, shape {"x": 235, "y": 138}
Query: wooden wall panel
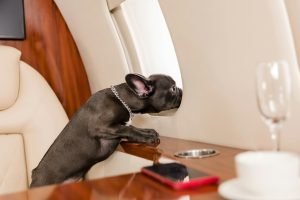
{"x": 51, "y": 50}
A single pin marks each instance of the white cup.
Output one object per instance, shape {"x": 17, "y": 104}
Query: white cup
{"x": 268, "y": 172}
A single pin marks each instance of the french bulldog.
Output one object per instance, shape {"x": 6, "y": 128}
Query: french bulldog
{"x": 96, "y": 129}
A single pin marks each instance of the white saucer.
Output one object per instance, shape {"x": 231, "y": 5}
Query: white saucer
{"x": 231, "y": 190}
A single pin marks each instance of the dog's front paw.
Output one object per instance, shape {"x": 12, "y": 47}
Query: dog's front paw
{"x": 150, "y": 132}
{"x": 153, "y": 141}
{"x": 156, "y": 142}
{"x": 148, "y": 139}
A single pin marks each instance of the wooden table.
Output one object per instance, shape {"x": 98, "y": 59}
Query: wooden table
{"x": 139, "y": 186}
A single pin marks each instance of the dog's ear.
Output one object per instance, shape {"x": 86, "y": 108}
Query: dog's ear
{"x": 140, "y": 85}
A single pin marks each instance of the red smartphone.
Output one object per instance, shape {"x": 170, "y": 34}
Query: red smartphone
{"x": 178, "y": 176}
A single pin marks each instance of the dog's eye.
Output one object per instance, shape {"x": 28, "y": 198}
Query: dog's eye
{"x": 173, "y": 89}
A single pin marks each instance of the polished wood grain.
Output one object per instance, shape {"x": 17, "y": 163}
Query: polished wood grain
{"x": 221, "y": 164}
{"x": 51, "y": 50}
{"x": 141, "y": 150}
{"x": 140, "y": 186}
{"x": 129, "y": 186}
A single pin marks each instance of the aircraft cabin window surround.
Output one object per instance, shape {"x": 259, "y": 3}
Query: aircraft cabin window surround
{"x": 146, "y": 39}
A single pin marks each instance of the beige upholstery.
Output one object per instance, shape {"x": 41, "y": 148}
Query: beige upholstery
{"x": 30, "y": 119}
{"x": 29, "y": 125}
{"x": 9, "y": 81}
{"x": 218, "y": 45}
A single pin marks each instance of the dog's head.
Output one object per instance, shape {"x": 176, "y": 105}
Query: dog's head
{"x": 158, "y": 92}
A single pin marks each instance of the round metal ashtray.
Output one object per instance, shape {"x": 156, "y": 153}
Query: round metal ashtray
{"x": 197, "y": 153}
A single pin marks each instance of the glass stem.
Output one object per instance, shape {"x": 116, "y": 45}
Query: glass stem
{"x": 275, "y": 129}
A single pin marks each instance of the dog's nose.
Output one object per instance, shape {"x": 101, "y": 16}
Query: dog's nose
{"x": 179, "y": 96}
{"x": 180, "y": 92}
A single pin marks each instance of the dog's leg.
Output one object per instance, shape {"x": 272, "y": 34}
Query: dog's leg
{"x": 130, "y": 133}
{"x": 145, "y": 130}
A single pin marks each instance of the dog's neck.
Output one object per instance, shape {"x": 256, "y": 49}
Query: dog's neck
{"x": 115, "y": 92}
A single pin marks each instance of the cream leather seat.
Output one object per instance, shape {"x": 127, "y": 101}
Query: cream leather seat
{"x": 31, "y": 117}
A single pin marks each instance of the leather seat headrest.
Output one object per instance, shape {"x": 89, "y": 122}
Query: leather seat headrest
{"x": 9, "y": 76}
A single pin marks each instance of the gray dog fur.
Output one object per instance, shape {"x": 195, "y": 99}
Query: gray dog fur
{"x": 97, "y": 128}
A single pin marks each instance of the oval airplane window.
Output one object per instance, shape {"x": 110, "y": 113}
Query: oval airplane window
{"x": 146, "y": 39}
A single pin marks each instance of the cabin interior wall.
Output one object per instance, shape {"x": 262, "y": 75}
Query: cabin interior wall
{"x": 219, "y": 45}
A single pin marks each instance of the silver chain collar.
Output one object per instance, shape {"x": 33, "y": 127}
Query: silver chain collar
{"x": 131, "y": 115}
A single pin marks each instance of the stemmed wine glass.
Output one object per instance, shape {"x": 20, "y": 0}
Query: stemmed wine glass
{"x": 273, "y": 91}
